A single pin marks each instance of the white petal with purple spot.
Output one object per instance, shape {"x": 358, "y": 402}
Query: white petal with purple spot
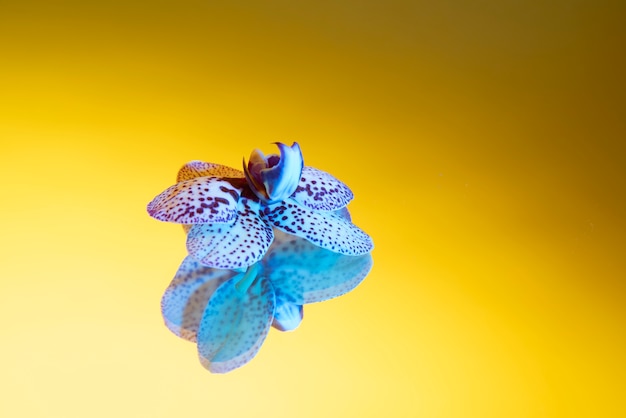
{"x": 319, "y": 190}
{"x": 233, "y": 246}
{"x": 187, "y": 296}
{"x": 196, "y": 168}
{"x": 198, "y": 200}
{"x": 234, "y": 325}
{"x": 324, "y": 229}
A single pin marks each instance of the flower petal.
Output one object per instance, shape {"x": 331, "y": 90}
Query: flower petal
{"x": 251, "y": 171}
{"x": 240, "y": 244}
{"x": 343, "y": 213}
{"x": 235, "y": 325}
{"x": 319, "y": 190}
{"x": 324, "y": 229}
{"x": 197, "y": 168}
{"x": 198, "y": 200}
{"x": 304, "y": 273}
{"x": 287, "y": 316}
{"x": 187, "y": 296}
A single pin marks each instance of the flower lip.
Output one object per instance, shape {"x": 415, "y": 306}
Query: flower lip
{"x": 287, "y": 316}
{"x": 274, "y": 178}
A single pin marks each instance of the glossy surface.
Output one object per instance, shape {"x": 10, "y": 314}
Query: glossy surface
{"x": 484, "y": 144}
{"x": 229, "y": 314}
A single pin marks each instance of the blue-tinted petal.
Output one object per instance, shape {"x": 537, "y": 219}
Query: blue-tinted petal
{"x": 324, "y": 229}
{"x": 304, "y": 273}
{"x": 187, "y": 296}
{"x": 343, "y": 213}
{"x": 287, "y": 316}
{"x": 233, "y": 246}
{"x": 319, "y": 190}
{"x": 198, "y": 200}
{"x": 235, "y": 325}
{"x": 196, "y": 168}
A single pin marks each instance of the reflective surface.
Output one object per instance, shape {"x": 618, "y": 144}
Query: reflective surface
{"x": 229, "y": 314}
{"x": 484, "y": 144}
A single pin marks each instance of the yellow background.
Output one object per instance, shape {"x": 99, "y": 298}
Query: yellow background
{"x": 485, "y": 144}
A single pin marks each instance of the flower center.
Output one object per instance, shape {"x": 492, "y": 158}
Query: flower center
{"x": 275, "y": 177}
{"x": 272, "y": 160}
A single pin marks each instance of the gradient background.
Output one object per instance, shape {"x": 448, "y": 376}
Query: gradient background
{"x": 485, "y": 144}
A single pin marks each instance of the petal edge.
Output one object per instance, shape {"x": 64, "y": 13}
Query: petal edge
{"x": 198, "y": 200}
{"x": 319, "y": 190}
{"x": 198, "y": 168}
{"x": 237, "y": 245}
{"x": 324, "y": 229}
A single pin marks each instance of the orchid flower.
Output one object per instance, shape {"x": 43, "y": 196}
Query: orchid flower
{"x": 229, "y": 313}
{"x": 231, "y": 215}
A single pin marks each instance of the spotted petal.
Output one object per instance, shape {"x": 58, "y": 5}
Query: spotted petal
{"x": 324, "y": 229}
{"x": 198, "y": 200}
{"x": 235, "y": 325}
{"x": 304, "y": 273}
{"x": 234, "y": 246}
{"x": 196, "y": 168}
{"x": 187, "y": 296}
{"x": 319, "y": 190}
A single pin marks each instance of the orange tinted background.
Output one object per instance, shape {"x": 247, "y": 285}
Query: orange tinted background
{"x": 485, "y": 144}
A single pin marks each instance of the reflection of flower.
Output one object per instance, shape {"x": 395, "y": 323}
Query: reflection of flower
{"x": 262, "y": 243}
{"x": 232, "y": 214}
{"x": 229, "y": 314}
